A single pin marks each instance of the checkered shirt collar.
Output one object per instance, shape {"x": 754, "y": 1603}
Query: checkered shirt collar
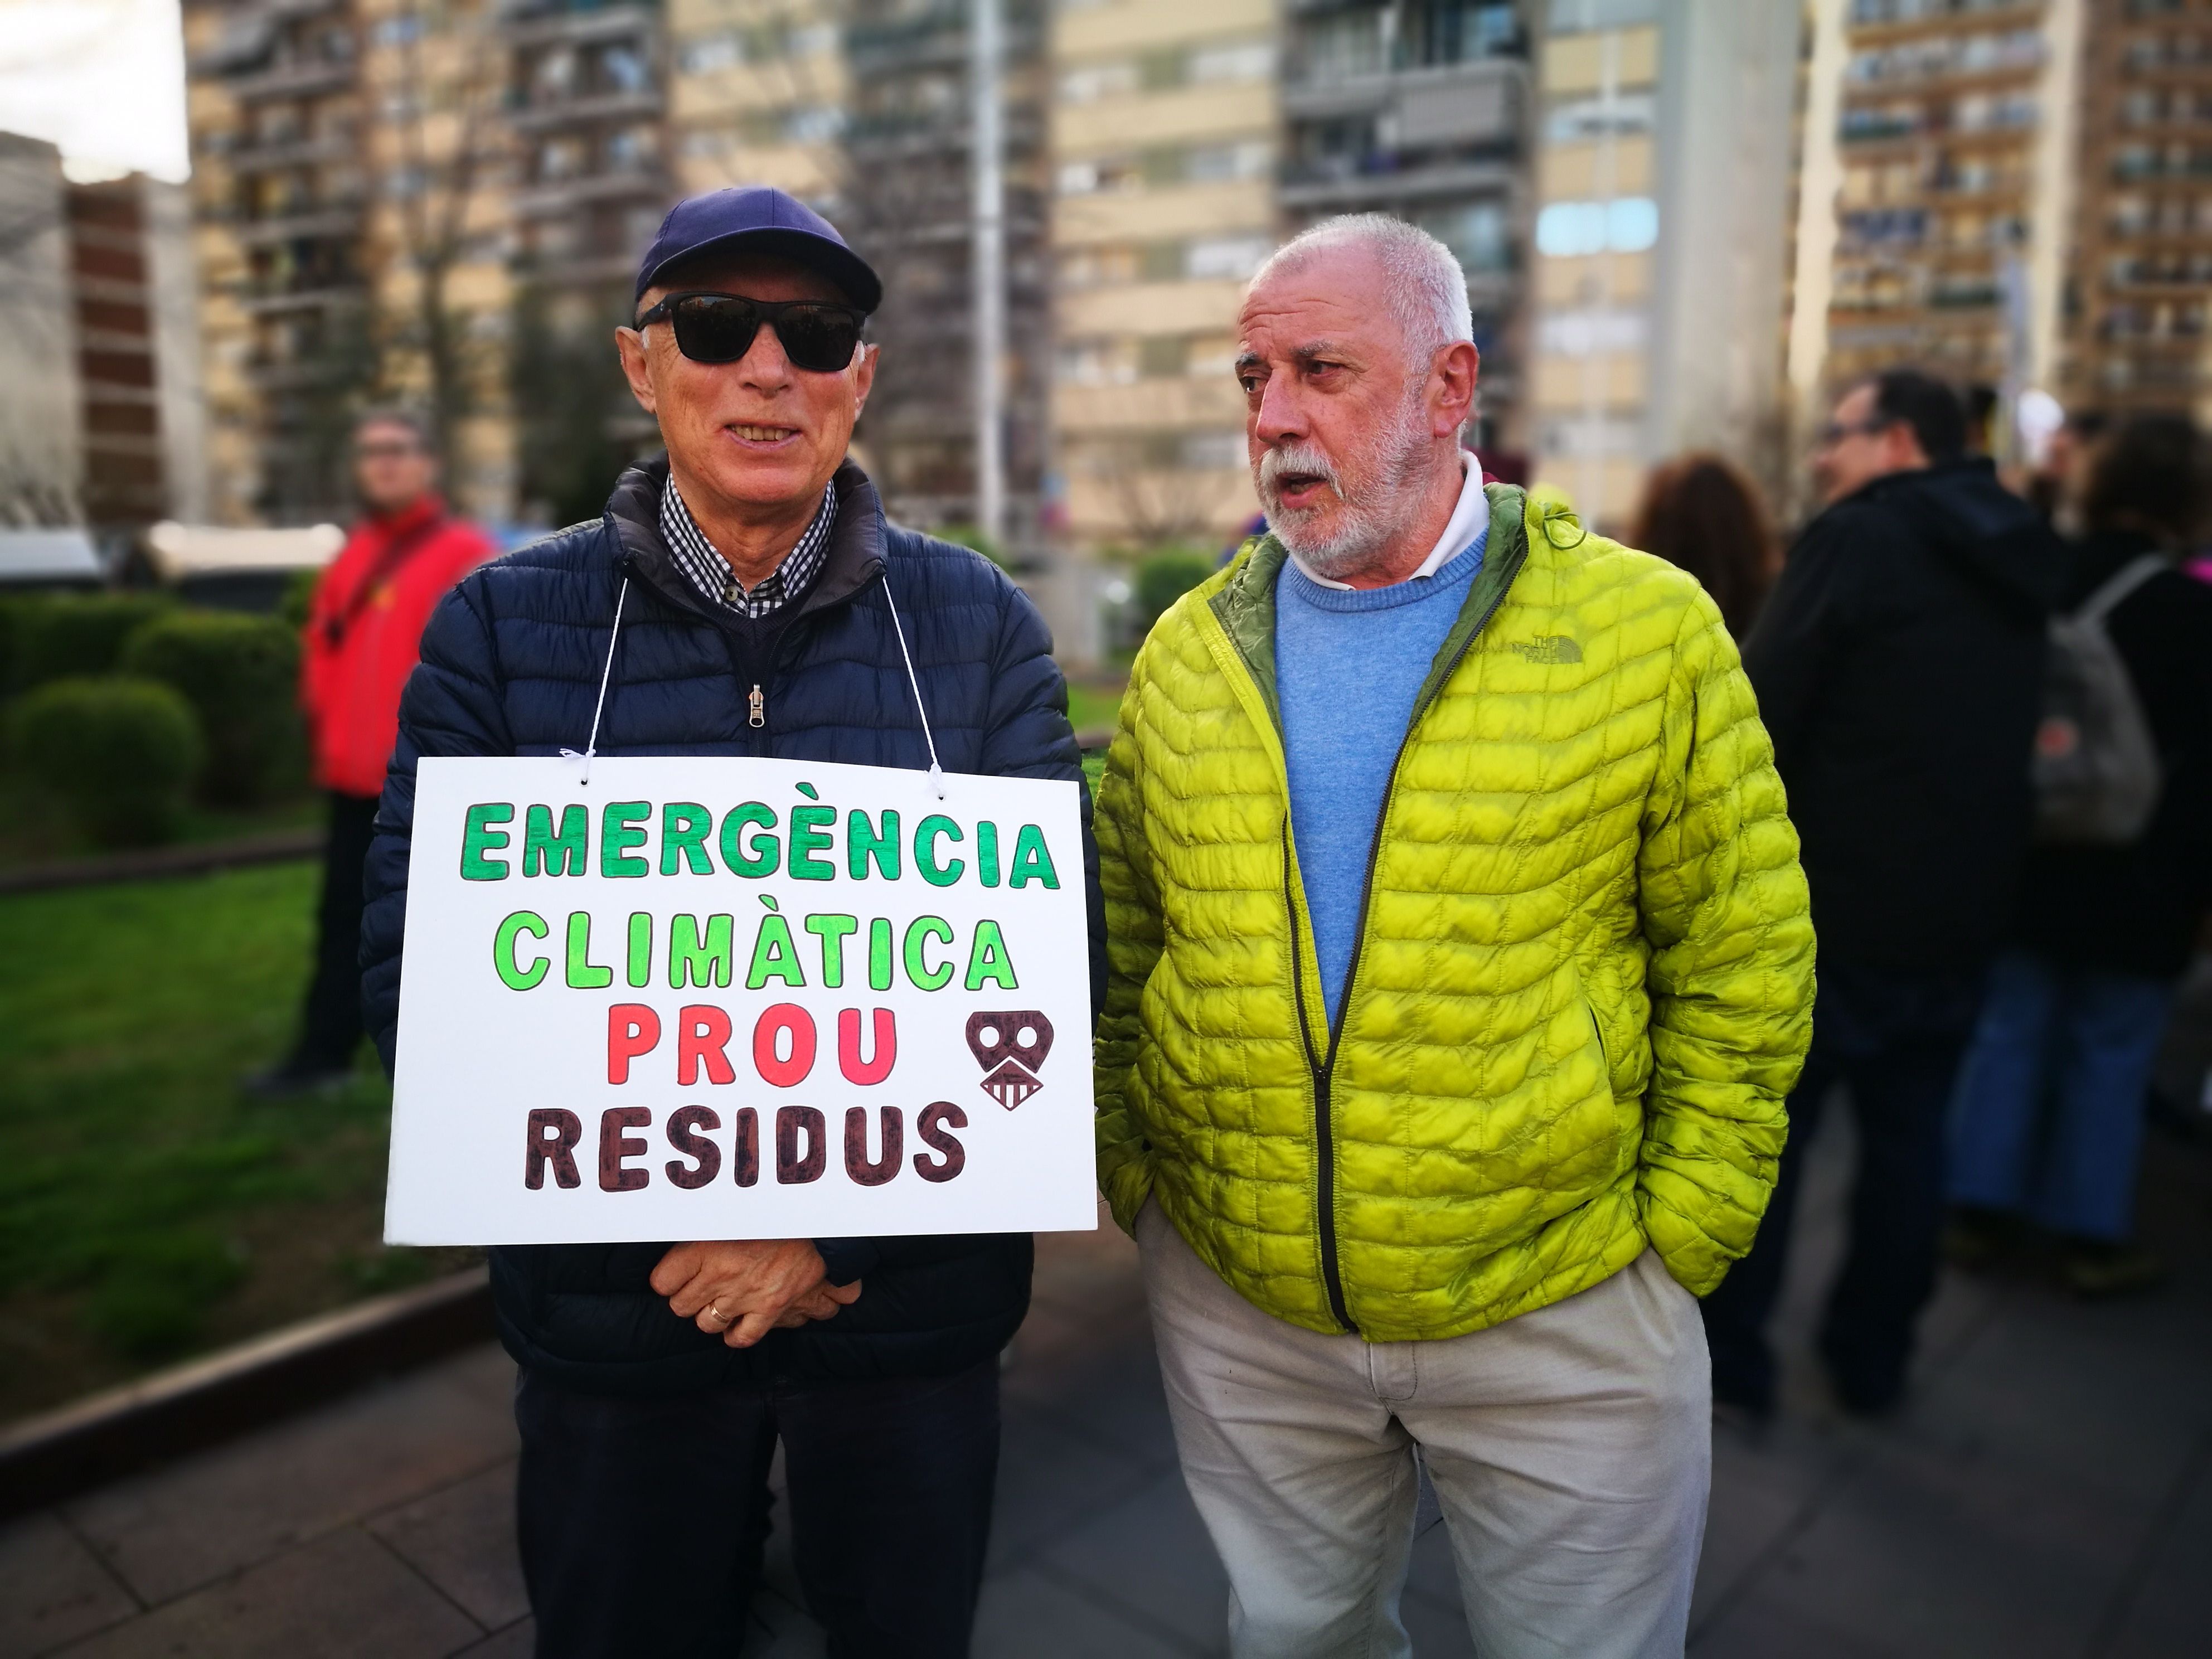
{"x": 711, "y": 574}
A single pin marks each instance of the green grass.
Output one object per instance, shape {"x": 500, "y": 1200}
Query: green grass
{"x": 1091, "y": 706}
{"x": 148, "y": 1209}
{"x": 34, "y": 829}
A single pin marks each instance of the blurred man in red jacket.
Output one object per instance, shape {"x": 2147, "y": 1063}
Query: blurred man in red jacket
{"x": 363, "y": 631}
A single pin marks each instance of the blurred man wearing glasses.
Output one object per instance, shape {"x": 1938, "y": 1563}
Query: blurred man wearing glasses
{"x": 743, "y": 595}
{"x": 363, "y": 628}
{"x": 1899, "y": 667}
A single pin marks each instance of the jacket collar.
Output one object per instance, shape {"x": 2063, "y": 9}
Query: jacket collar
{"x": 425, "y": 509}
{"x": 1245, "y": 602}
{"x": 854, "y": 558}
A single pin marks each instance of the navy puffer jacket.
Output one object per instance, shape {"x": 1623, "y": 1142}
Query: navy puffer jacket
{"x": 511, "y": 665}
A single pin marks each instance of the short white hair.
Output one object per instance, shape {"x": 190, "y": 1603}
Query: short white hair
{"x": 1426, "y": 291}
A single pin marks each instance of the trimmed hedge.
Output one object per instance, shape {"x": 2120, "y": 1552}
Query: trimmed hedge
{"x": 1166, "y": 577}
{"x": 60, "y": 636}
{"x": 120, "y": 753}
{"x": 241, "y": 673}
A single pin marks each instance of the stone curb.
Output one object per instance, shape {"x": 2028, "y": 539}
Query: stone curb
{"x": 63, "y": 1452}
{"x": 162, "y": 862}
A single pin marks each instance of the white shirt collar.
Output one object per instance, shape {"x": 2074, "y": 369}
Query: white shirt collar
{"x": 1472, "y": 514}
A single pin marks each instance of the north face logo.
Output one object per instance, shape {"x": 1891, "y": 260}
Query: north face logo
{"x": 1549, "y": 647}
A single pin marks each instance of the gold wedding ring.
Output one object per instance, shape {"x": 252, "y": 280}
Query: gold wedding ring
{"x": 714, "y": 1311}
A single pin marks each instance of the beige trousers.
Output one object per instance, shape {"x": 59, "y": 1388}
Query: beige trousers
{"x": 1570, "y": 1449}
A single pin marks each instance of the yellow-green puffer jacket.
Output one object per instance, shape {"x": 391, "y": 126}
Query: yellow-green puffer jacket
{"x": 1585, "y": 978}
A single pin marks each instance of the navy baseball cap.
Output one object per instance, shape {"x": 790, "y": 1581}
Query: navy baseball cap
{"x": 759, "y": 219}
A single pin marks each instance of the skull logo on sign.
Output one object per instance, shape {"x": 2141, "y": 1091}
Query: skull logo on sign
{"x": 1015, "y": 1044}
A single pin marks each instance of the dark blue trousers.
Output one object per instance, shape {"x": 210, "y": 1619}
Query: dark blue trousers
{"x": 642, "y": 1520}
{"x": 1895, "y": 1040}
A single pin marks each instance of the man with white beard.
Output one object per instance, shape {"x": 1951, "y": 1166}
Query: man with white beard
{"x": 1460, "y": 965}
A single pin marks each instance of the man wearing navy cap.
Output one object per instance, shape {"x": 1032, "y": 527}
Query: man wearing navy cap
{"x": 743, "y": 595}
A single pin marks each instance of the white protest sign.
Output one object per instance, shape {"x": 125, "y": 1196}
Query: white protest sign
{"x": 703, "y": 999}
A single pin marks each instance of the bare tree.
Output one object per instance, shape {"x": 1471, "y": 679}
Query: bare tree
{"x": 440, "y": 185}
{"x": 1163, "y": 501}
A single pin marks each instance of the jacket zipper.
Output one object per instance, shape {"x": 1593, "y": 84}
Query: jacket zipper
{"x": 1324, "y": 1069}
{"x": 756, "y": 708}
{"x": 1324, "y": 1137}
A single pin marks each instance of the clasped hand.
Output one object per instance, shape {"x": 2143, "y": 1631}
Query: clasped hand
{"x": 742, "y": 1289}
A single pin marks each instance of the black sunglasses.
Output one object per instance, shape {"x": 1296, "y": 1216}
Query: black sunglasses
{"x": 719, "y": 328}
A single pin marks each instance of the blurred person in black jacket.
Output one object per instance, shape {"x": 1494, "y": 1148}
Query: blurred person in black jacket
{"x": 2048, "y": 1121}
{"x": 1898, "y": 665}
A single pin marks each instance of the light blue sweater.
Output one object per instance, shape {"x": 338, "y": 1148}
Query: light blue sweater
{"x": 1348, "y": 664}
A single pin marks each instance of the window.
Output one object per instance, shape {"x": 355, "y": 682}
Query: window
{"x": 1096, "y": 267}
{"x": 1213, "y": 451}
{"x": 1238, "y": 60}
{"x": 1590, "y": 333}
{"x": 1232, "y": 257}
{"x": 1089, "y": 82}
{"x": 1627, "y": 224}
{"x": 1475, "y": 234}
{"x": 1101, "y": 174}
{"x": 814, "y": 124}
{"x": 1210, "y": 163}
{"x": 1162, "y": 358}
{"x": 1345, "y": 45}
{"x": 710, "y": 55}
{"x": 1097, "y": 362}
{"x": 623, "y": 69}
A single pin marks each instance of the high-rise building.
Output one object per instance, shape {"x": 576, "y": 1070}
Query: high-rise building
{"x": 348, "y": 161}
{"x": 1165, "y": 145}
{"x": 41, "y": 439}
{"x": 281, "y": 189}
{"x": 2139, "y": 333}
{"x": 1953, "y": 156}
{"x": 906, "y": 197}
{"x": 758, "y": 94}
{"x": 1420, "y": 109}
{"x": 99, "y": 349}
{"x": 1663, "y": 173}
{"x": 138, "y": 351}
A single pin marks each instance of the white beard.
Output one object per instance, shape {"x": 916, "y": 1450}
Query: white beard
{"x": 1371, "y": 512}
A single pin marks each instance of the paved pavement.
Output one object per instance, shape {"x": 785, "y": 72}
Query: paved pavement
{"x": 2048, "y": 1492}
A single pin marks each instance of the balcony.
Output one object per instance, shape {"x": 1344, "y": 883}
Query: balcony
{"x": 556, "y": 196}
{"x": 1353, "y": 183}
{"x": 306, "y": 77}
{"x": 576, "y": 269}
{"x": 274, "y": 300}
{"x": 608, "y": 106}
{"x": 322, "y": 219}
{"x": 1449, "y": 103}
{"x": 291, "y": 373}
{"x": 291, "y": 153}
{"x": 533, "y": 23}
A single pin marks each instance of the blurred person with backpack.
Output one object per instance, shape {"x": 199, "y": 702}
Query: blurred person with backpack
{"x": 2048, "y": 1120}
{"x": 1701, "y": 514}
{"x": 363, "y": 632}
{"x": 1898, "y": 665}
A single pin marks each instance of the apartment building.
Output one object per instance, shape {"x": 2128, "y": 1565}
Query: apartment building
{"x": 375, "y": 183}
{"x": 2139, "y": 332}
{"x": 137, "y": 347}
{"x": 906, "y": 200}
{"x": 1956, "y": 152}
{"x": 281, "y": 190}
{"x": 758, "y": 94}
{"x": 1165, "y": 141}
{"x": 41, "y": 440}
{"x": 1663, "y": 179}
{"x": 1420, "y": 109}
